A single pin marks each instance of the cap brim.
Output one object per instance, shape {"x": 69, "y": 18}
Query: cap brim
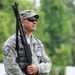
{"x": 36, "y": 16}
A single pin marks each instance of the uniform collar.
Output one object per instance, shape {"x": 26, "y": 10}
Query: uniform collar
{"x": 33, "y": 39}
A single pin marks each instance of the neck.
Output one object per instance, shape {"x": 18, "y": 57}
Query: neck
{"x": 28, "y": 34}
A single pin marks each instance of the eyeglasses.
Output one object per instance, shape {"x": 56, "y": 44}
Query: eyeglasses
{"x": 32, "y": 19}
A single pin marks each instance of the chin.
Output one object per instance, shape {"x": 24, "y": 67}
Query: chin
{"x": 33, "y": 29}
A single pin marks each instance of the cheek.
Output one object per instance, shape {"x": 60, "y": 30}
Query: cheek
{"x": 26, "y": 26}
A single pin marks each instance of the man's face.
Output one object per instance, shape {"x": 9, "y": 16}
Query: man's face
{"x": 29, "y": 24}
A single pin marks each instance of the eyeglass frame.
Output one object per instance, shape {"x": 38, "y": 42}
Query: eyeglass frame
{"x": 31, "y": 19}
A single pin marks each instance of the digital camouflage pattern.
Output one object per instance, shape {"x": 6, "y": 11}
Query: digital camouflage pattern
{"x": 39, "y": 56}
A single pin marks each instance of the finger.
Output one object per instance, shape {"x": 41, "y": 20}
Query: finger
{"x": 30, "y": 72}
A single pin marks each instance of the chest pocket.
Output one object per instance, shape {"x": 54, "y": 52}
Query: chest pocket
{"x": 38, "y": 50}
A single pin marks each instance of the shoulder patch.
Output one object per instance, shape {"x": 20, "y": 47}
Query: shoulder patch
{"x": 6, "y": 51}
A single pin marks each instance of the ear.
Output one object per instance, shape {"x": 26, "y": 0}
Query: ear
{"x": 22, "y": 21}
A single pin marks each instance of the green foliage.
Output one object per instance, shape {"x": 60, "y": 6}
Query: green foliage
{"x": 24, "y": 4}
{"x": 4, "y": 19}
{"x": 41, "y": 26}
{"x": 58, "y": 18}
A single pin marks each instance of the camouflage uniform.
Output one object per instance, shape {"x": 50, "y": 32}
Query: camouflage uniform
{"x": 38, "y": 54}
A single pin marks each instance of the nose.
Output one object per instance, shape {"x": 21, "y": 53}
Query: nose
{"x": 34, "y": 22}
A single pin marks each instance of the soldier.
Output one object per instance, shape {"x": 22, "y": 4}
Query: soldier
{"x": 41, "y": 64}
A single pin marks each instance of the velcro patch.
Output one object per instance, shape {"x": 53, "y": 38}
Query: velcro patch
{"x": 6, "y": 51}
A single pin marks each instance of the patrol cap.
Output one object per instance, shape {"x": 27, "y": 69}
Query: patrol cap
{"x": 28, "y": 13}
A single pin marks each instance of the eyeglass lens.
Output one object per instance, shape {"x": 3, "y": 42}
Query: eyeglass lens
{"x": 32, "y": 19}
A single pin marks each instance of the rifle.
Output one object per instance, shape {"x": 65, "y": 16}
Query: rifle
{"x": 28, "y": 55}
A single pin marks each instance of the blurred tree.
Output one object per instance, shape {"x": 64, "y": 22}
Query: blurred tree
{"x": 3, "y": 30}
{"x": 57, "y": 17}
{"x": 1, "y": 6}
{"x": 71, "y": 5}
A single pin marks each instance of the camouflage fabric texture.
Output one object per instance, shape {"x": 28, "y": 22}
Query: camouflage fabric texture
{"x": 38, "y": 54}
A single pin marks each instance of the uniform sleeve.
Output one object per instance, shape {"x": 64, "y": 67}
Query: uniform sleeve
{"x": 10, "y": 64}
{"x": 45, "y": 65}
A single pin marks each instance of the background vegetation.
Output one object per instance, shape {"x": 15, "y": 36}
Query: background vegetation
{"x": 55, "y": 28}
